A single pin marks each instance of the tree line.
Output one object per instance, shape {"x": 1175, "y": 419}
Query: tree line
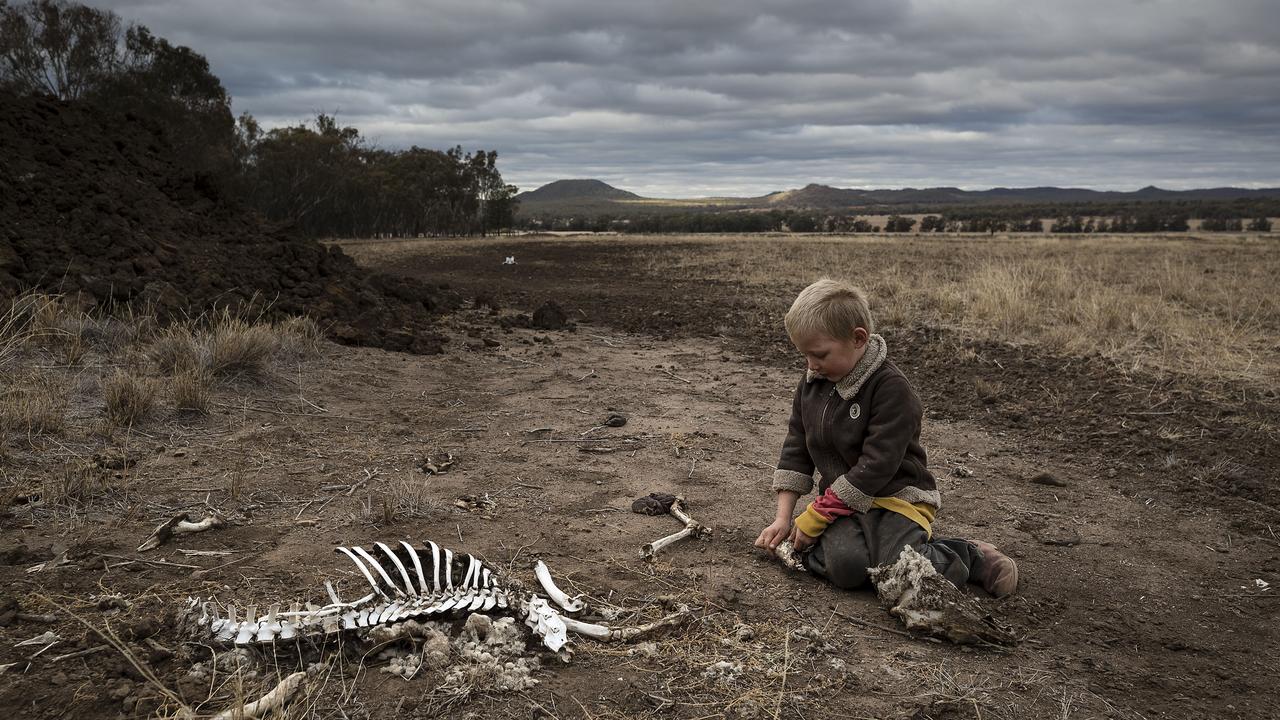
{"x": 320, "y": 177}
{"x": 969, "y": 220}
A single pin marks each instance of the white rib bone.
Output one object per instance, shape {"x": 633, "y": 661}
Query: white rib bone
{"x": 363, "y": 570}
{"x": 472, "y": 566}
{"x": 381, "y": 571}
{"x": 404, "y": 574}
{"x": 333, "y": 594}
{"x": 417, "y": 566}
{"x": 564, "y": 601}
{"x": 448, "y": 569}
{"x": 435, "y": 566}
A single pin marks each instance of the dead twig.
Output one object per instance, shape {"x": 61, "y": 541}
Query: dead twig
{"x": 78, "y": 653}
{"x": 687, "y": 382}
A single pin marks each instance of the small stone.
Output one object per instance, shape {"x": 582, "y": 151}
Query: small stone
{"x": 961, "y": 471}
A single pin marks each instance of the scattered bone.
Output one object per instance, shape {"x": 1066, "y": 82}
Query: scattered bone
{"x": 925, "y": 601}
{"x": 271, "y": 701}
{"x": 627, "y": 634}
{"x": 675, "y": 505}
{"x": 786, "y": 553}
{"x": 47, "y": 638}
{"x": 543, "y": 573}
{"x": 475, "y": 503}
{"x": 58, "y": 561}
{"x": 180, "y": 524}
{"x": 78, "y": 653}
{"x": 436, "y": 465}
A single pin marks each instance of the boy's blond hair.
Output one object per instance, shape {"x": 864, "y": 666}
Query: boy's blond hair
{"x": 829, "y": 307}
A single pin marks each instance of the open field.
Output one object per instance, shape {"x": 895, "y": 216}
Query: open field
{"x": 1140, "y": 373}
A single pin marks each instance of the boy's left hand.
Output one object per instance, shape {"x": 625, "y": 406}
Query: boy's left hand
{"x": 800, "y": 541}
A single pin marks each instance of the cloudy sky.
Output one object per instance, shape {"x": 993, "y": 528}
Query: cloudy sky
{"x": 679, "y": 98}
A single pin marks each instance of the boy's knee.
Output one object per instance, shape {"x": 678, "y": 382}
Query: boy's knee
{"x": 842, "y": 564}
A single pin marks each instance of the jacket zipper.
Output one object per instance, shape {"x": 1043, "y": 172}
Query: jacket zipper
{"x": 822, "y": 426}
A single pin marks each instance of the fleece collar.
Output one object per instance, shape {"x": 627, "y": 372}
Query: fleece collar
{"x": 849, "y": 385}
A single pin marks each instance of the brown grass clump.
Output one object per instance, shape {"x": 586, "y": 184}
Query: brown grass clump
{"x": 36, "y": 407}
{"x": 175, "y": 351}
{"x": 190, "y": 392}
{"x": 240, "y": 350}
{"x": 127, "y": 398}
{"x": 298, "y": 337}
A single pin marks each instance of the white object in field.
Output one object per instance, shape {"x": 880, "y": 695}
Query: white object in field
{"x": 273, "y": 700}
{"x": 692, "y": 528}
{"x": 555, "y": 593}
{"x": 786, "y": 552}
{"x": 178, "y": 525}
{"x": 925, "y": 601}
{"x": 511, "y": 260}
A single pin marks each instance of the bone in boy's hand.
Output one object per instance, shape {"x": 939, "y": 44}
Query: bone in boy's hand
{"x": 774, "y": 534}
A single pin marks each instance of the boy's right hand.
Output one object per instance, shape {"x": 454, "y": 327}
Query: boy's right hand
{"x": 769, "y": 538}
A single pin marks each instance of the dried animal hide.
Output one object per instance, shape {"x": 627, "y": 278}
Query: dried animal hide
{"x": 926, "y": 601}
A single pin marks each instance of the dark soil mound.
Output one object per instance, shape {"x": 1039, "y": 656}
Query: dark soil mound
{"x": 98, "y": 204}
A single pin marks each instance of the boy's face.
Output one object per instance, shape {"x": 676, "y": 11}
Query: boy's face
{"x": 830, "y": 358}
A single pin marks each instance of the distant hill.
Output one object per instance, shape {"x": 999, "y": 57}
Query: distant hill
{"x": 566, "y": 190}
{"x": 824, "y": 196}
{"x": 593, "y": 198}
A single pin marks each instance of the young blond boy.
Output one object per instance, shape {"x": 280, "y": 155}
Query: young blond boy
{"x": 856, "y": 420}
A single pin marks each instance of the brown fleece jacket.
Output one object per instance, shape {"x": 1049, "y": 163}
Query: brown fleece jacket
{"x": 862, "y": 435}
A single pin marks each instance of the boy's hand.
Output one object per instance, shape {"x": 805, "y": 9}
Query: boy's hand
{"x": 800, "y": 541}
{"x": 772, "y": 535}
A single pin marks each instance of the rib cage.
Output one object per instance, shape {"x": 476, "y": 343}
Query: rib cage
{"x": 405, "y": 582}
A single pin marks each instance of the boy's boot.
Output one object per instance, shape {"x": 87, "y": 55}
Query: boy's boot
{"x": 999, "y": 571}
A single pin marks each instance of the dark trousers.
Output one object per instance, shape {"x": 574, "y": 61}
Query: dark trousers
{"x": 851, "y": 545}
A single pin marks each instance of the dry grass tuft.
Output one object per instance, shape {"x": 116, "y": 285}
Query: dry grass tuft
{"x": 35, "y": 407}
{"x": 127, "y": 398}
{"x": 298, "y": 337}
{"x": 176, "y": 351}
{"x": 239, "y": 349}
{"x": 29, "y": 319}
{"x": 71, "y": 486}
{"x": 190, "y": 392}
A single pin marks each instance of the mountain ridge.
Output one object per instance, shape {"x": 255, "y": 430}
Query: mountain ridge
{"x": 815, "y": 195}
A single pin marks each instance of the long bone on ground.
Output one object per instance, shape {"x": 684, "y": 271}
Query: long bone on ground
{"x": 657, "y": 503}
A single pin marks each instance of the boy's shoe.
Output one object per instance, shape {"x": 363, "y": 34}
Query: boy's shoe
{"x": 999, "y": 571}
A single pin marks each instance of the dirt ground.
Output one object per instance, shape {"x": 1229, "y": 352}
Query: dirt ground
{"x": 1149, "y": 587}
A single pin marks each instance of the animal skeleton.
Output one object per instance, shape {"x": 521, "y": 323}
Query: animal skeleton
{"x": 417, "y": 584}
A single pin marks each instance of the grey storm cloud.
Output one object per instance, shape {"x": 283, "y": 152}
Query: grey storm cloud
{"x": 679, "y": 98}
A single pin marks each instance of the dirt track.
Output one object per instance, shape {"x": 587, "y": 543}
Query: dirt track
{"x": 1139, "y": 597}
